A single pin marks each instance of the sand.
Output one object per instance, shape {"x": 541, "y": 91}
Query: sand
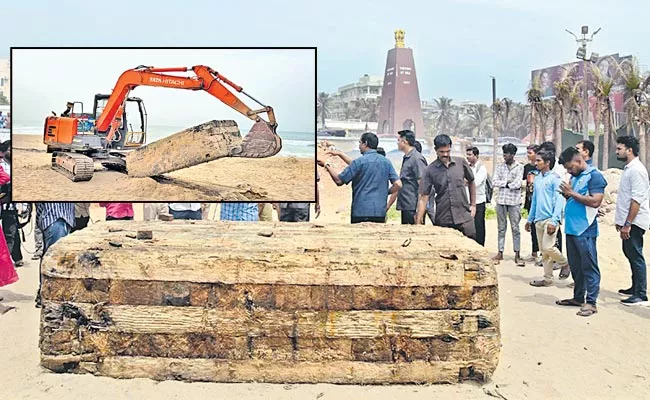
{"x": 230, "y": 179}
{"x": 548, "y": 352}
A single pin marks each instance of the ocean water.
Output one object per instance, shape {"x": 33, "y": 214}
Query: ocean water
{"x": 294, "y": 144}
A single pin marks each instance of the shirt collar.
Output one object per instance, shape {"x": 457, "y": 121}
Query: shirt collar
{"x": 440, "y": 164}
{"x": 631, "y": 163}
{"x": 369, "y": 151}
{"x": 410, "y": 153}
{"x": 590, "y": 162}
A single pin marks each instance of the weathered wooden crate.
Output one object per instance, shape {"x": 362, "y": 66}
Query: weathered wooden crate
{"x": 270, "y": 302}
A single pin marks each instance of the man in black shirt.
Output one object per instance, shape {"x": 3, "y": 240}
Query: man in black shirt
{"x": 530, "y": 172}
{"x": 413, "y": 167}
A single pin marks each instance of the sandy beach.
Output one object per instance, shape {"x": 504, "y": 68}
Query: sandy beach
{"x": 547, "y": 351}
{"x": 229, "y": 179}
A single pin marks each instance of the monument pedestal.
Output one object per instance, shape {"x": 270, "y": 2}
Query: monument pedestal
{"x": 400, "y": 106}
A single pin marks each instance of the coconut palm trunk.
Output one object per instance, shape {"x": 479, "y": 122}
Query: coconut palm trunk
{"x": 642, "y": 142}
{"x": 607, "y": 136}
{"x": 597, "y": 118}
{"x": 533, "y": 123}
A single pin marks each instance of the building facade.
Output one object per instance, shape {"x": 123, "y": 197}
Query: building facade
{"x": 5, "y": 84}
{"x": 367, "y": 88}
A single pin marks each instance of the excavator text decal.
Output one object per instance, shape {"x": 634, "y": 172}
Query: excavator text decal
{"x": 167, "y": 81}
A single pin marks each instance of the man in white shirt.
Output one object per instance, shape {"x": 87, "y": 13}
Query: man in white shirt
{"x": 185, "y": 210}
{"x": 480, "y": 177}
{"x": 633, "y": 217}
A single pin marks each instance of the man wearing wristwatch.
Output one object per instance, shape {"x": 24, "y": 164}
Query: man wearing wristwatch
{"x": 633, "y": 217}
{"x": 370, "y": 175}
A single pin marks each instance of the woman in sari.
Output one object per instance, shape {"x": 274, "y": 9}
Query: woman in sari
{"x": 8, "y": 274}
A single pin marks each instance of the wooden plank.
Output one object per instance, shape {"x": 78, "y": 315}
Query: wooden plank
{"x": 332, "y": 324}
{"x": 281, "y": 297}
{"x": 233, "y": 256}
{"x": 199, "y": 144}
{"x": 340, "y": 372}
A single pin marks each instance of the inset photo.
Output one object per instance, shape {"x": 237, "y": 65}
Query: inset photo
{"x": 163, "y": 124}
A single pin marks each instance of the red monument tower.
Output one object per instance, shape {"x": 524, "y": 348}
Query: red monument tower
{"x": 400, "y": 106}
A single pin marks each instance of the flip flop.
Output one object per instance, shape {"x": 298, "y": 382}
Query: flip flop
{"x": 569, "y": 302}
{"x": 565, "y": 272}
{"x": 587, "y": 311}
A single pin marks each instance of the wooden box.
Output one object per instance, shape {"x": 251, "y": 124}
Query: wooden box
{"x": 270, "y": 302}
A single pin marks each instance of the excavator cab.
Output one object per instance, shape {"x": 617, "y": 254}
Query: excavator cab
{"x": 126, "y": 137}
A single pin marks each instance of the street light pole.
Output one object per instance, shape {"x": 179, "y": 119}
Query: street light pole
{"x": 581, "y": 54}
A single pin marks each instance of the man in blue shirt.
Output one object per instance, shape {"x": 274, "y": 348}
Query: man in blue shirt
{"x": 369, "y": 175}
{"x": 584, "y": 195}
{"x": 545, "y": 214}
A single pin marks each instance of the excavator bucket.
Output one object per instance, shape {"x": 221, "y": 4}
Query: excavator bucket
{"x": 262, "y": 141}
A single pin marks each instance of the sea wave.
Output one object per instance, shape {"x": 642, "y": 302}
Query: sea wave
{"x": 294, "y": 144}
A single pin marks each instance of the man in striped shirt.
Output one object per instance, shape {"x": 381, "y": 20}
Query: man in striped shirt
{"x": 55, "y": 220}
{"x": 508, "y": 179}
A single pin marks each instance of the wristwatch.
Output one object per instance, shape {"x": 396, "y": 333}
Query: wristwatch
{"x": 627, "y": 223}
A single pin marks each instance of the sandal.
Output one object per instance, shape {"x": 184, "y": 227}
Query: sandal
{"x": 565, "y": 272}
{"x": 519, "y": 262}
{"x": 587, "y": 311}
{"x": 570, "y": 303}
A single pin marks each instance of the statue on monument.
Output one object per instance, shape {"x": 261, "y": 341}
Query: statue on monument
{"x": 399, "y": 38}
{"x": 400, "y": 107}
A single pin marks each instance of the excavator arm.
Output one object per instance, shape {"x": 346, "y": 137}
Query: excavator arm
{"x": 206, "y": 79}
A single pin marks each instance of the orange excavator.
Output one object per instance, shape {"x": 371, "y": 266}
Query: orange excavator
{"x": 76, "y": 143}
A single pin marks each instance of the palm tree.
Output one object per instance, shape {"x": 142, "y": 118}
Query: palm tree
{"x": 521, "y": 120}
{"x": 635, "y": 88}
{"x": 478, "y": 120}
{"x": 505, "y": 115}
{"x": 368, "y": 110}
{"x": 545, "y": 109}
{"x": 534, "y": 98}
{"x": 573, "y": 107}
{"x": 603, "y": 88}
{"x": 322, "y": 106}
{"x": 563, "y": 93}
{"x": 443, "y": 114}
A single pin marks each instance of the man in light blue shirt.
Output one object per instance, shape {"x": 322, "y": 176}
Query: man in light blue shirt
{"x": 545, "y": 214}
{"x": 584, "y": 195}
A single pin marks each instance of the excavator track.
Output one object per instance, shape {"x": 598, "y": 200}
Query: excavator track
{"x": 75, "y": 167}
{"x": 260, "y": 142}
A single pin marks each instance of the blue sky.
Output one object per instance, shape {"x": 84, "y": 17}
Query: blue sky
{"x": 458, "y": 44}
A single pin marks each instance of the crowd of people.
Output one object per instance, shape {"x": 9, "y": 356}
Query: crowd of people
{"x": 453, "y": 191}
{"x": 558, "y": 191}
{"x": 5, "y": 120}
